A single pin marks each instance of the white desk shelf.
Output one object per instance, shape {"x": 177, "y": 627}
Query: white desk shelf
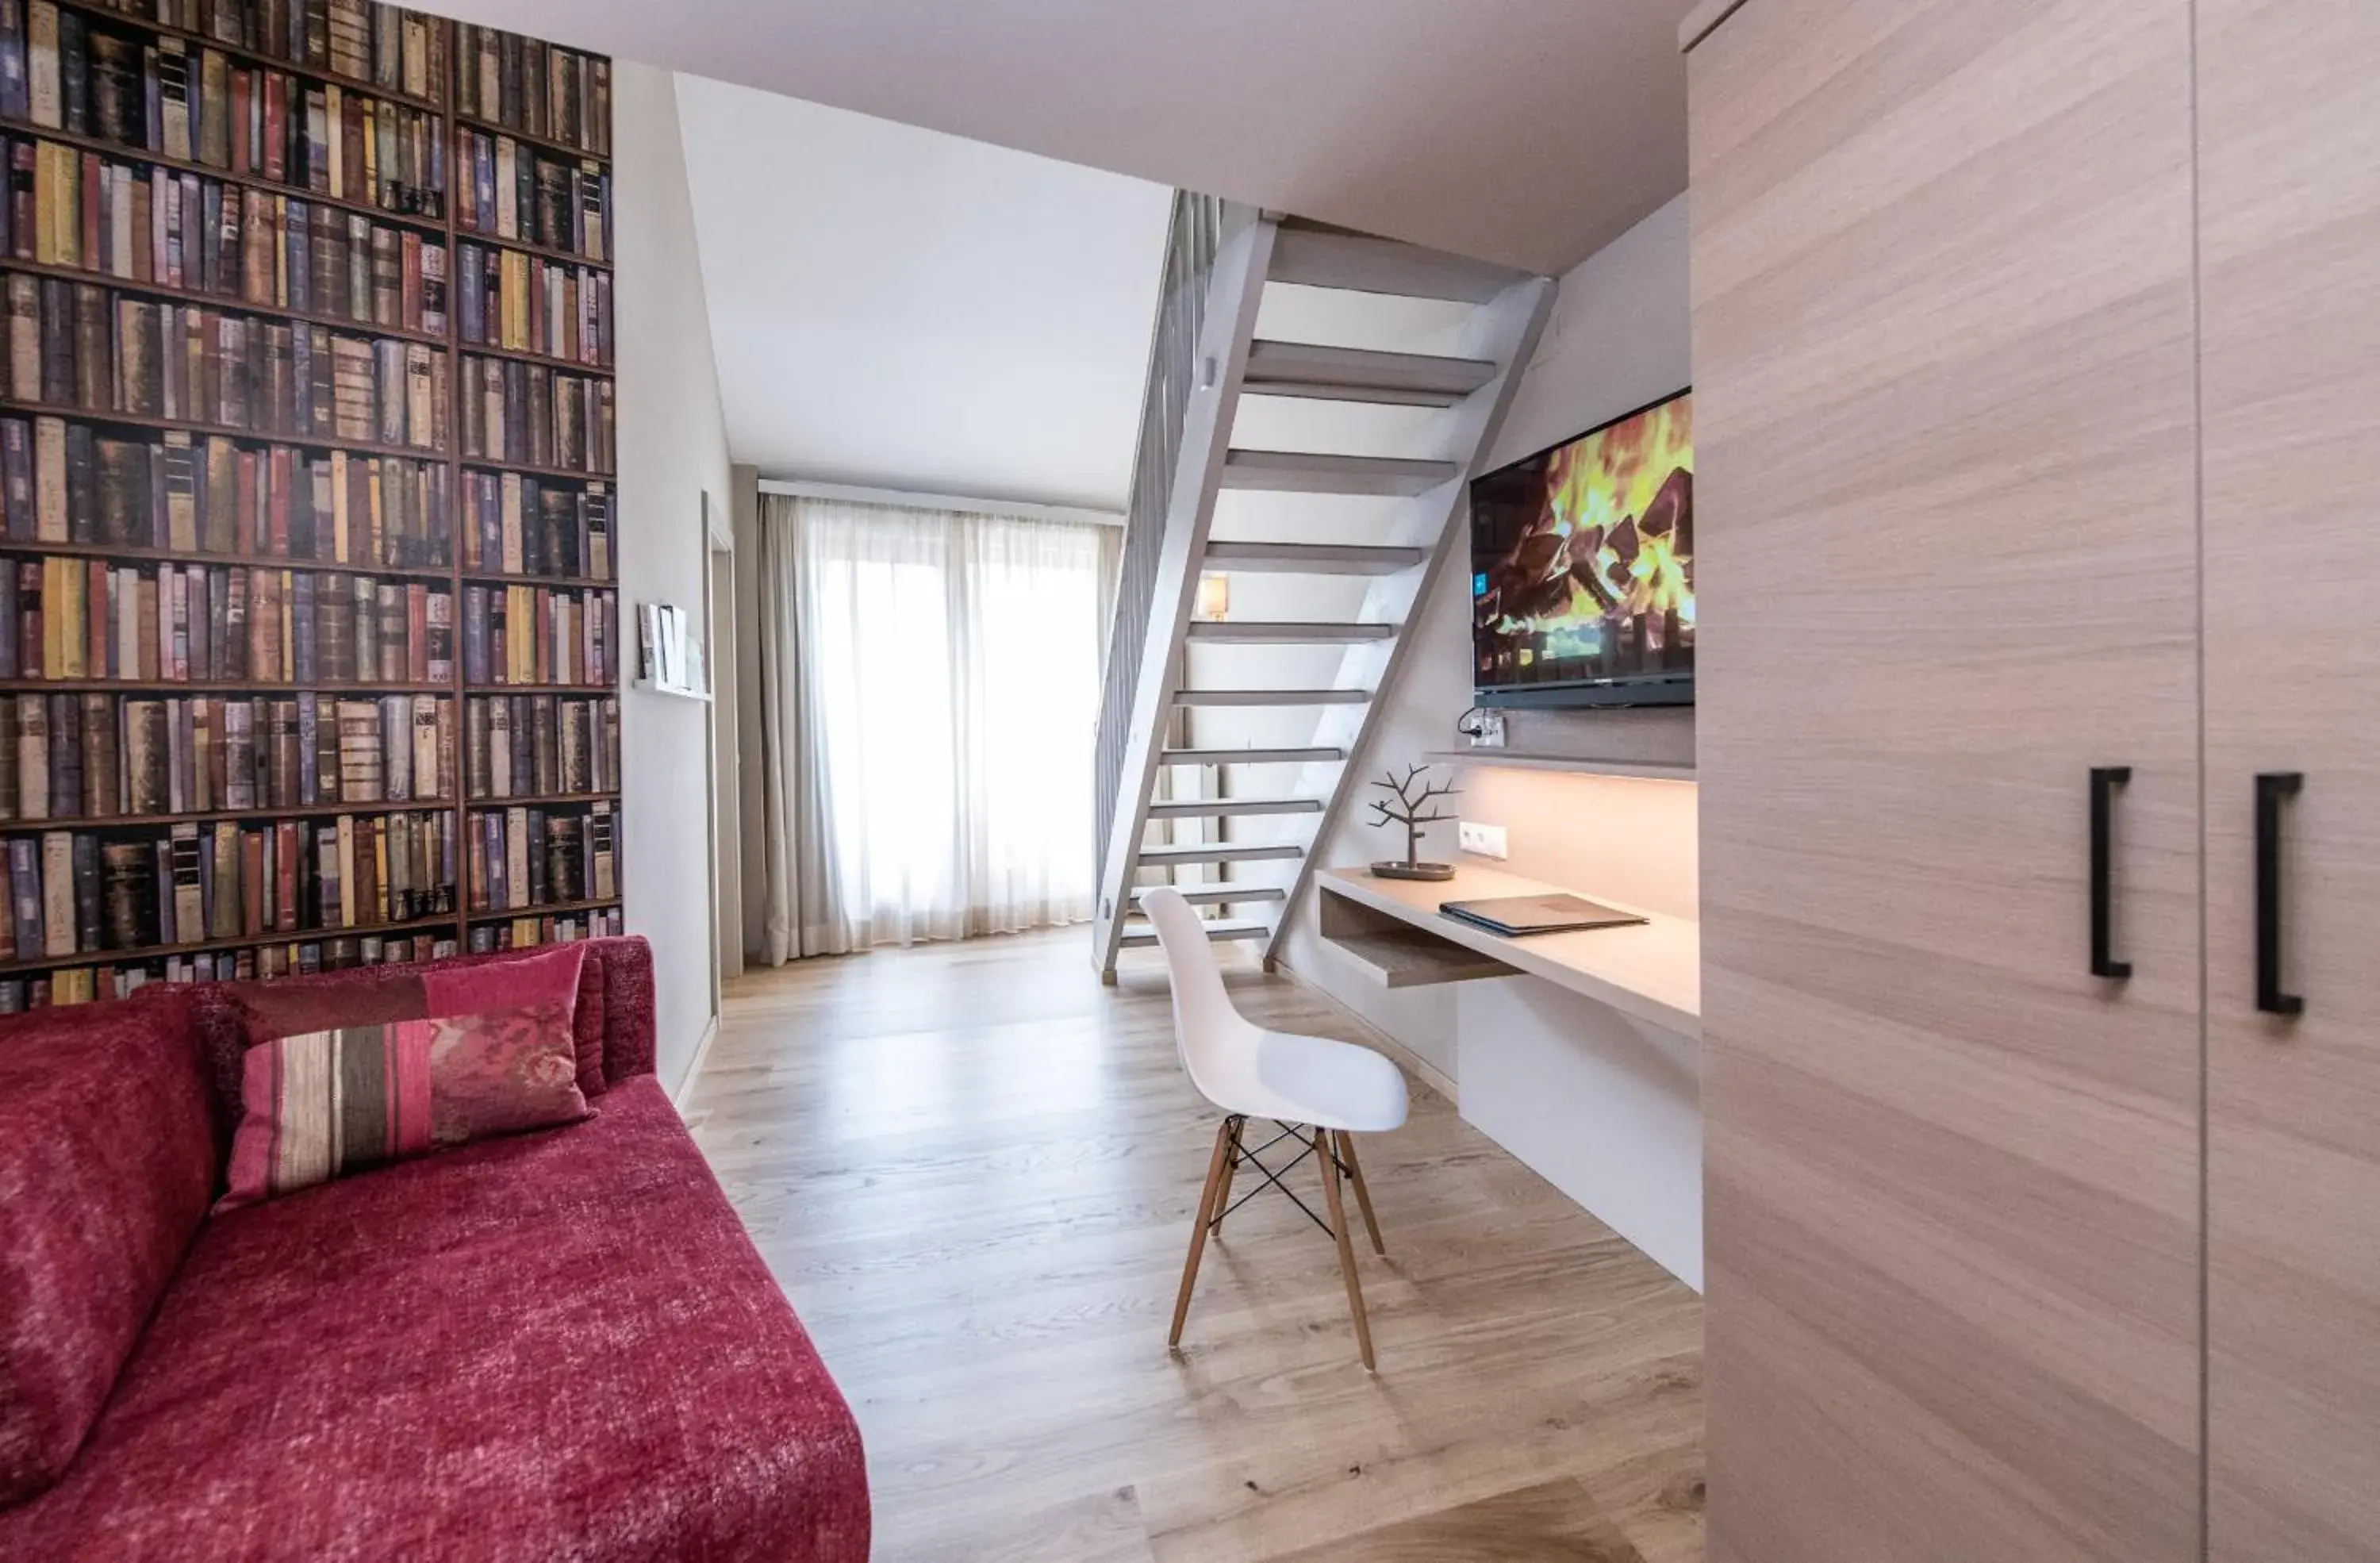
{"x": 1652, "y": 971}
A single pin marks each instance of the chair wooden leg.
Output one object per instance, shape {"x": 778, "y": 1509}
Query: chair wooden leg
{"x": 1239, "y": 1127}
{"x": 1199, "y": 1229}
{"x": 1346, "y": 1251}
{"x": 1362, "y": 1194}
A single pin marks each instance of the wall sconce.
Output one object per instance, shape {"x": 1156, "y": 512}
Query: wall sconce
{"x": 1214, "y": 597}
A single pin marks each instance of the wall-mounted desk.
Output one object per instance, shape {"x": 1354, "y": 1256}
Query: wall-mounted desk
{"x": 1394, "y": 928}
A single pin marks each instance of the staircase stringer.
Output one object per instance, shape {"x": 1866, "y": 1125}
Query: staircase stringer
{"x": 1506, "y": 332}
{"x": 1235, "y": 290}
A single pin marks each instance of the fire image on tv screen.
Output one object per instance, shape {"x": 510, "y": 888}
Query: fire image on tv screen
{"x": 1583, "y": 563}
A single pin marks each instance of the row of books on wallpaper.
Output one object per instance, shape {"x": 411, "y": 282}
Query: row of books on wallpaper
{"x": 61, "y": 70}
{"x": 528, "y": 413}
{"x": 73, "y": 893}
{"x": 522, "y": 84}
{"x": 164, "y": 227}
{"x": 520, "y": 634}
{"x": 396, "y": 50}
{"x": 120, "y": 979}
{"x": 68, "y": 483}
{"x": 529, "y": 305}
{"x": 670, "y": 653}
{"x": 78, "y": 619}
{"x": 535, "y": 745}
{"x": 536, "y": 88}
{"x": 79, "y": 347}
{"x": 523, "y": 857}
{"x": 523, "y": 526}
{"x": 513, "y": 191}
{"x": 70, "y": 208}
{"x": 110, "y": 757}
{"x": 107, "y": 756}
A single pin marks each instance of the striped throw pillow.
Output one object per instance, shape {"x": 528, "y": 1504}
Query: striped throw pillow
{"x": 321, "y": 1104}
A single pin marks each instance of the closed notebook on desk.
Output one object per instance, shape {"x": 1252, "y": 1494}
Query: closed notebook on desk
{"x": 1516, "y": 916}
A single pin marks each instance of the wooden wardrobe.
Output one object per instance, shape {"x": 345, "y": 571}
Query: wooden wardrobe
{"x": 2037, "y": 372}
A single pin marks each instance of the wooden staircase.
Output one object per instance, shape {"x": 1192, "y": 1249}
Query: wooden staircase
{"x": 1254, "y": 884}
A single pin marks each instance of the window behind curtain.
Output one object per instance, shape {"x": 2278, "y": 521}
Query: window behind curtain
{"x": 950, "y": 680}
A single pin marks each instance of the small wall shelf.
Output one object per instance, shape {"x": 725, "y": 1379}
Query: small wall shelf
{"x": 1652, "y": 971}
{"x": 1395, "y": 954}
{"x": 1658, "y": 770}
{"x": 649, "y": 687}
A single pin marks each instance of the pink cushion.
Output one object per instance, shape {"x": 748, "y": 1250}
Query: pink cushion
{"x": 614, "y": 1044}
{"x": 550, "y": 977}
{"x": 416, "y": 1062}
{"x": 106, "y": 1160}
{"x": 267, "y": 1010}
{"x": 552, "y": 1345}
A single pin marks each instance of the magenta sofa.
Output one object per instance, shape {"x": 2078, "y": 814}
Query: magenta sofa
{"x": 559, "y": 1345}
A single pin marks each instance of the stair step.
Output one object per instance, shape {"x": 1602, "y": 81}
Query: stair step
{"x": 1138, "y": 935}
{"x": 1218, "y": 852}
{"x": 1312, "y": 559}
{"x": 1288, "y": 632}
{"x": 1226, "y": 893}
{"x": 1202, "y": 808}
{"x": 1312, "y": 472}
{"x": 1271, "y": 697}
{"x": 1246, "y": 757}
{"x": 1361, "y": 375}
{"x": 1319, "y": 256}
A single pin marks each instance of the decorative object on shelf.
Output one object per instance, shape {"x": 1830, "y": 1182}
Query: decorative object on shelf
{"x": 671, "y": 662}
{"x": 1407, "y": 812}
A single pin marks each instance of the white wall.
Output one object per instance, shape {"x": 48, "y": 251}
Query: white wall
{"x": 1606, "y": 1108}
{"x": 673, "y": 451}
{"x": 975, "y": 320}
{"x": 1620, "y": 337}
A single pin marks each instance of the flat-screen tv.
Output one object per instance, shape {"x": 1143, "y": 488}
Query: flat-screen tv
{"x": 1583, "y": 568}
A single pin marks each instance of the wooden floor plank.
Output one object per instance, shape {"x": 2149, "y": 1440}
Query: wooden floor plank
{"x": 1552, "y": 1523}
{"x": 973, "y": 1169}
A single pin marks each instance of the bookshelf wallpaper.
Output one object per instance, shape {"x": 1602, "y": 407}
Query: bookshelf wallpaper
{"x": 309, "y": 634}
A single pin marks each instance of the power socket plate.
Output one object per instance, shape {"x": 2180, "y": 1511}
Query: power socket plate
{"x": 1481, "y": 840}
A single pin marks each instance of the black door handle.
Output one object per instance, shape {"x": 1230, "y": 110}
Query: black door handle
{"x": 2105, "y": 780}
{"x": 2272, "y": 788}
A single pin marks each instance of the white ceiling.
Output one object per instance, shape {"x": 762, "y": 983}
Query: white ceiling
{"x": 901, "y": 309}
{"x": 1528, "y": 131}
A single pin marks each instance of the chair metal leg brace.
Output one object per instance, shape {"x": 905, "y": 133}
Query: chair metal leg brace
{"x": 1334, "y": 1153}
{"x": 1308, "y": 1142}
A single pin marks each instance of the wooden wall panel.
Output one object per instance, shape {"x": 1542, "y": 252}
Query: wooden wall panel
{"x": 2290, "y": 140}
{"x": 1943, "y": 350}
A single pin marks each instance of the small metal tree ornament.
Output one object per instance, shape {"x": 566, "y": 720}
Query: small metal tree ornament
{"x": 1407, "y": 812}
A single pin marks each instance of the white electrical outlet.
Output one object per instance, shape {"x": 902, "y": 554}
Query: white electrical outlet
{"x": 1481, "y": 840}
{"x": 1484, "y": 726}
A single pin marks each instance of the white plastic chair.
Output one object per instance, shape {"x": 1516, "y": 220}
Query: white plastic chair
{"x": 1320, "y": 1092}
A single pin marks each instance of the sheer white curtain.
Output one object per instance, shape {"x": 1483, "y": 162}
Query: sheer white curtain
{"x": 929, "y": 680}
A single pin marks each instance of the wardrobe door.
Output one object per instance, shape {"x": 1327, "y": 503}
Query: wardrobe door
{"x": 1943, "y": 362}
{"x": 2290, "y": 157}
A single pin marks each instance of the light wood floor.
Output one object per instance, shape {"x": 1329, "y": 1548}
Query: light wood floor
{"x": 973, "y": 1168}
